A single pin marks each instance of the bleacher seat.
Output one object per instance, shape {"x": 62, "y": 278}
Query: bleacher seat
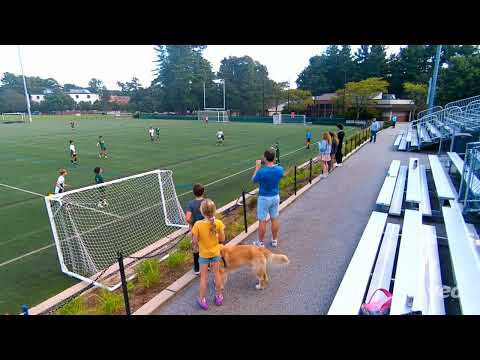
{"x": 397, "y": 199}
{"x": 408, "y": 263}
{"x": 413, "y": 182}
{"x": 351, "y": 292}
{"x": 465, "y": 258}
{"x": 386, "y": 192}
{"x": 424, "y": 205}
{"x": 382, "y": 275}
{"x": 443, "y": 184}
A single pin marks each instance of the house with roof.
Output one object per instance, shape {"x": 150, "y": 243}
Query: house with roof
{"x": 78, "y": 95}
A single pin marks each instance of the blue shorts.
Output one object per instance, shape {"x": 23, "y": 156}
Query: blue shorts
{"x": 208, "y": 261}
{"x": 268, "y": 205}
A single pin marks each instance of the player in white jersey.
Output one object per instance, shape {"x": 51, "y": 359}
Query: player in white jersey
{"x": 151, "y": 132}
{"x": 60, "y": 184}
{"x": 220, "y": 137}
{"x": 73, "y": 153}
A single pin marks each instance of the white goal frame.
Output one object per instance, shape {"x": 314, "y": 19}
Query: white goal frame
{"x": 214, "y": 115}
{"x": 23, "y": 115}
{"x": 54, "y": 204}
{"x": 287, "y": 119}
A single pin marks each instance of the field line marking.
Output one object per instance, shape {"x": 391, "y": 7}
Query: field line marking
{"x": 27, "y": 254}
{"x": 27, "y": 191}
{"x": 237, "y": 173}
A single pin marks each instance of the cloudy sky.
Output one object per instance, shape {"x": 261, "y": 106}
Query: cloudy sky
{"x": 77, "y": 64}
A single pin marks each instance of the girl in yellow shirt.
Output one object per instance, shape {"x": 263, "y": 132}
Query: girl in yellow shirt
{"x": 207, "y": 234}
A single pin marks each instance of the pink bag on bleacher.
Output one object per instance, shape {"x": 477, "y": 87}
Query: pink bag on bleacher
{"x": 378, "y": 306}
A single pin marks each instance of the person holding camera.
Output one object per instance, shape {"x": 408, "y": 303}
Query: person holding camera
{"x": 268, "y": 177}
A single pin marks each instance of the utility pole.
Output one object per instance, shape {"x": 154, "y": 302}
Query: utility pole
{"x": 204, "y": 96}
{"x": 263, "y": 97}
{"x": 434, "y": 80}
{"x": 24, "y": 85}
{"x": 224, "y": 108}
{"x": 288, "y": 96}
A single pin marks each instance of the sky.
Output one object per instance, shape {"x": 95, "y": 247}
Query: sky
{"x": 77, "y": 64}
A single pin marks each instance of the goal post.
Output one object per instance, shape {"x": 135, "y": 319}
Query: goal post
{"x": 289, "y": 119}
{"x": 214, "y": 115}
{"x": 14, "y": 117}
{"x": 92, "y": 224}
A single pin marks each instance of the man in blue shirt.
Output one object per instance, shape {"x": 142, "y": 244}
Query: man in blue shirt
{"x": 268, "y": 202}
{"x": 374, "y": 129}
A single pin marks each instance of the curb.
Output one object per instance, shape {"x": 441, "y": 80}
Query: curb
{"x": 159, "y": 300}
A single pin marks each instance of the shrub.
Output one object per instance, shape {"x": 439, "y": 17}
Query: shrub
{"x": 109, "y": 302}
{"x": 176, "y": 258}
{"x": 73, "y": 307}
{"x": 185, "y": 244}
{"x": 148, "y": 272}
{"x": 252, "y": 203}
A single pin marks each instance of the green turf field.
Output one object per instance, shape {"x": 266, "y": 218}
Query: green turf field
{"x": 31, "y": 154}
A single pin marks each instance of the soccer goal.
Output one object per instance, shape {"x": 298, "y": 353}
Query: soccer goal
{"x": 289, "y": 119}
{"x": 16, "y": 117}
{"x": 91, "y": 225}
{"x": 214, "y": 115}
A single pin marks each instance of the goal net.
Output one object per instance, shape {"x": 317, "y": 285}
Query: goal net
{"x": 16, "y": 117}
{"x": 91, "y": 225}
{"x": 214, "y": 115}
{"x": 289, "y": 119}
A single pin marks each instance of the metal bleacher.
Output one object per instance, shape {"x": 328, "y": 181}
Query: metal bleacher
{"x": 441, "y": 124}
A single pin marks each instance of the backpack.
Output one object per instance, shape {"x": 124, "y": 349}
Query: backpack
{"x": 378, "y": 307}
{"x": 322, "y": 146}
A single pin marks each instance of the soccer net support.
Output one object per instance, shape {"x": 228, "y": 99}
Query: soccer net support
{"x": 289, "y": 119}
{"x": 10, "y": 116}
{"x": 214, "y": 115}
{"x": 91, "y": 225}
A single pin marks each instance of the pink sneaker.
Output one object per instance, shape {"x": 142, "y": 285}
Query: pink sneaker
{"x": 203, "y": 303}
{"x": 218, "y": 300}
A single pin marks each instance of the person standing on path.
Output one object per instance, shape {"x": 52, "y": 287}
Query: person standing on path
{"x": 394, "y": 120}
{"x": 325, "y": 148}
{"x": 339, "y": 154}
{"x": 192, "y": 215}
{"x": 268, "y": 177}
{"x": 333, "y": 150}
{"x": 374, "y": 129}
{"x": 207, "y": 234}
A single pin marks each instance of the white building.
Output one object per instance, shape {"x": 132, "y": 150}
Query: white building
{"x": 78, "y": 95}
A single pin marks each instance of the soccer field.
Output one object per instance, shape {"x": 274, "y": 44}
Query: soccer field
{"x": 31, "y": 154}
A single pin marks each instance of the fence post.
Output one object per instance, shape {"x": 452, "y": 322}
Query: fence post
{"x": 244, "y": 211}
{"x": 124, "y": 283}
{"x": 295, "y": 179}
{"x": 310, "y": 177}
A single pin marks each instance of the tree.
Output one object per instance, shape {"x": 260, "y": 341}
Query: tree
{"x": 460, "y": 80}
{"x": 57, "y": 101}
{"x": 12, "y": 101}
{"x": 359, "y": 95}
{"x": 248, "y": 87}
{"x": 180, "y": 73}
{"x": 417, "y": 93}
{"x": 370, "y": 61}
{"x": 300, "y": 100}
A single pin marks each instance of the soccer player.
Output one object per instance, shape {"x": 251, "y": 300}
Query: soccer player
{"x": 73, "y": 153}
{"x": 206, "y": 120}
{"x": 60, "y": 184}
{"x": 99, "y": 180}
{"x": 276, "y": 148}
{"x": 220, "y": 137}
{"x": 72, "y": 124}
{"x": 103, "y": 147}
{"x": 309, "y": 138}
{"x": 157, "y": 131}
{"x": 151, "y": 132}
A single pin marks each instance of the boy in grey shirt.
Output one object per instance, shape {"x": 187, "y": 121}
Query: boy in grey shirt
{"x": 192, "y": 215}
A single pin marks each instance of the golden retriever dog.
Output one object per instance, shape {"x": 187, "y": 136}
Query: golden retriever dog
{"x": 235, "y": 257}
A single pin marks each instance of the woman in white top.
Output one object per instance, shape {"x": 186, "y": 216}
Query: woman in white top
{"x": 73, "y": 153}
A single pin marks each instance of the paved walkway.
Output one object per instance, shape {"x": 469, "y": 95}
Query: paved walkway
{"x": 319, "y": 233}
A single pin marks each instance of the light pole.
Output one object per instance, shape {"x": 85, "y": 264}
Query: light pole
{"x": 434, "y": 79}
{"x": 344, "y": 90}
{"x": 24, "y": 85}
{"x": 263, "y": 97}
